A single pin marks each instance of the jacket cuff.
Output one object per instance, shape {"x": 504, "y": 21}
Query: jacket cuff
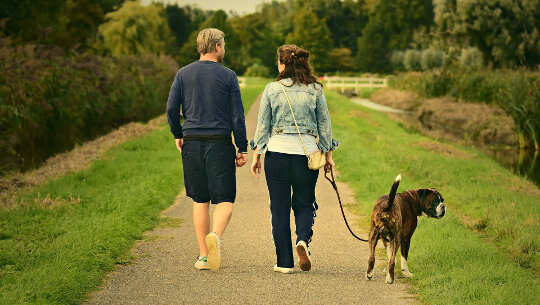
{"x": 333, "y": 146}
{"x": 253, "y": 146}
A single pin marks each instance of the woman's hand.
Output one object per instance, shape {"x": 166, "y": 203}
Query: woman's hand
{"x": 256, "y": 165}
{"x": 329, "y": 161}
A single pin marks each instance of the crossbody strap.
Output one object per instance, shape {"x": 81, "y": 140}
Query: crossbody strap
{"x": 294, "y": 119}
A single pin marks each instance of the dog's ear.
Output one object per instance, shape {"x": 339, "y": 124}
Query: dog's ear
{"x": 422, "y": 193}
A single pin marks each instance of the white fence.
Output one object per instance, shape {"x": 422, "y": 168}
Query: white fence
{"x": 354, "y": 83}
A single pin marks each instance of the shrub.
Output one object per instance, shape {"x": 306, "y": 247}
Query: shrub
{"x": 411, "y": 60}
{"x": 431, "y": 59}
{"x": 257, "y": 70}
{"x": 397, "y": 60}
{"x": 471, "y": 58}
{"x": 50, "y": 101}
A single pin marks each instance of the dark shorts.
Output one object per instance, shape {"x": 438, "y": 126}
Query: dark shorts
{"x": 209, "y": 169}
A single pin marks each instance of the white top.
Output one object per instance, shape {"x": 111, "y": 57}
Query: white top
{"x": 290, "y": 143}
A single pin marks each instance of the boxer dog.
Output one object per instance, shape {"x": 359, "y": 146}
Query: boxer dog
{"x": 394, "y": 219}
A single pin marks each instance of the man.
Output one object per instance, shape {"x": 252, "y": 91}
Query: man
{"x": 209, "y": 95}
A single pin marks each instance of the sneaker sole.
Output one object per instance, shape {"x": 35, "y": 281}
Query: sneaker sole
{"x": 214, "y": 257}
{"x": 303, "y": 259}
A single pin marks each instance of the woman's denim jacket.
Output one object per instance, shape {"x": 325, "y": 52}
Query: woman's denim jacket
{"x": 310, "y": 110}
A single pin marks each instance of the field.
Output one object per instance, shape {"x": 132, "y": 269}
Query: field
{"x": 73, "y": 230}
{"x": 453, "y": 264}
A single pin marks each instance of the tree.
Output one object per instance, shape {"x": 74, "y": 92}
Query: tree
{"x": 391, "y": 27}
{"x": 65, "y": 23}
{"x": 507, "y": 32}
{"x": 345, "y": 19}
{"x": 341, "y": 60}
{"x": 188, "y": 52}
{"x": 312, "y": 34}
{"x": 136, "y": 29}
{"x": 257, "y": 42}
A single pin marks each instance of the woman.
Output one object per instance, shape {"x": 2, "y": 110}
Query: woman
{"x": 285, "y": 149}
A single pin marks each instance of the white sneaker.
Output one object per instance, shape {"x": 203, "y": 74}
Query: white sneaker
{"x": 214, "y": 251}
{"x": 283, "y": 269}
{"x": 304, "y": 261}
{"x": 202, "y": 263}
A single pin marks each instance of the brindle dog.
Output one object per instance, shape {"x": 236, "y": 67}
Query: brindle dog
{"x": 394, "y": 219}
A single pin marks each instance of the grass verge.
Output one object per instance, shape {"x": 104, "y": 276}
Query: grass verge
{"x": 59, "y": 245}
{"x": 452, "y": 263}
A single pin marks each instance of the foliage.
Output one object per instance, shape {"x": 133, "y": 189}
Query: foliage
{"x": 471, "y": 58}
{"x": 412, "y": 59}
{"x": 257, "y": 41}
{"x": 312, "y": 34}
{"x": 65, "y": 23}
{"x": 136, "y": 29}
{"x": 396, "y": 59}
{"x": 45, "y": 93}
{"x": 431, "y": 59}
{"x": 257, "y": 70}
{"x": 341, "y": 59}
{"x": 233, "y": 59}
{"x": 515, "y": 91}
{"x": 345, "y": 19}
{"x": 505, "y": 31}
{"x": 391, "y": 27}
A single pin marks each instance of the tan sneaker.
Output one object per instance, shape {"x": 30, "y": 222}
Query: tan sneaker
{"x": 304, "y": 260}
{"x": 202, "y": 263}
{"x": 283, "y": 269}
{"x": 214, "y": 251}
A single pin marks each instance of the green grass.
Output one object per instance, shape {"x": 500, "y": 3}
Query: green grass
{"x": 254, "y": 87}
{"x": 452, "y": 263}
{"x": 58, "y": 255}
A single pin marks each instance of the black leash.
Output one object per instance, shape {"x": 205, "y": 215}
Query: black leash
{"x": 333, "y": 182}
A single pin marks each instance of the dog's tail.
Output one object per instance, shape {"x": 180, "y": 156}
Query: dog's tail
{"x": 393, "y": 192}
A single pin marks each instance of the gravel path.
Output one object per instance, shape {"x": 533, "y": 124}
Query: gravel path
{"x": 163, "y": 273}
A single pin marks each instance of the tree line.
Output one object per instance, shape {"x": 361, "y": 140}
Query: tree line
{"x": 342, "y": 35}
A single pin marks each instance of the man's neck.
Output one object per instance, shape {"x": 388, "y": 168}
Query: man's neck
{"x": 209, "y": 57}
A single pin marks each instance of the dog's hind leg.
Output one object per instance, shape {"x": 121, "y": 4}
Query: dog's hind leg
{"x": 392, "y": 261}
{"x": 373, "y": 238}
{"x": 405, "y": 244}
{"x": 388, "y": 253}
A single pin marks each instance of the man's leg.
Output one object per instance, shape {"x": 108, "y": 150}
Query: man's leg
{"x": 201, "y": 222}
{"x": 221, "y": 217}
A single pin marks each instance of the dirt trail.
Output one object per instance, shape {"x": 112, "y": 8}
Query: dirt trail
{"x": 163, "y": 272}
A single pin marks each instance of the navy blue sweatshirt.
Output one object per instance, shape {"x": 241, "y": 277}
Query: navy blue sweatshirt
{"x": 209, "y": 96}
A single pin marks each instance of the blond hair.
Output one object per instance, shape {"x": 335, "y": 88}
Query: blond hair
{"x": 207, "y": 40}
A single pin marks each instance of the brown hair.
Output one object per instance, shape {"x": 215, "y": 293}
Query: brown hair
{"x": 297, "y": 67}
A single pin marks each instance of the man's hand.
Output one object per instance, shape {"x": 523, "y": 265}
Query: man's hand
{"x": 241, "y": 159}
{"x": 179, "y": 144}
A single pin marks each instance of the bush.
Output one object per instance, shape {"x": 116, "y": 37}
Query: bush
{"x": 50, "y": 101}
{"x": 411, "y": 60}
{"x": 432, "y": 59}
{"x": 257, "y": 70}
{"x": 397, "y": 60}
{"x": 471, "y": 58}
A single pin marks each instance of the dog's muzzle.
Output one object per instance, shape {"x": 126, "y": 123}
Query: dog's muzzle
{"x": 440, "y": 210}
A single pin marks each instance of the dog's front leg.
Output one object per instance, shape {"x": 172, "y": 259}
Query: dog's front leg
{"x": 373, "y": 238}
{"x": 393, "y": 245}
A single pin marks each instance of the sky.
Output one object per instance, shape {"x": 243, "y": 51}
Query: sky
{"x": 240, "y": 6}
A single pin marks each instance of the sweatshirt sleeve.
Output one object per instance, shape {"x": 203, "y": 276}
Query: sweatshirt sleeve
{"x": 238, "y": 119}
{"x": 174, "y": 103}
